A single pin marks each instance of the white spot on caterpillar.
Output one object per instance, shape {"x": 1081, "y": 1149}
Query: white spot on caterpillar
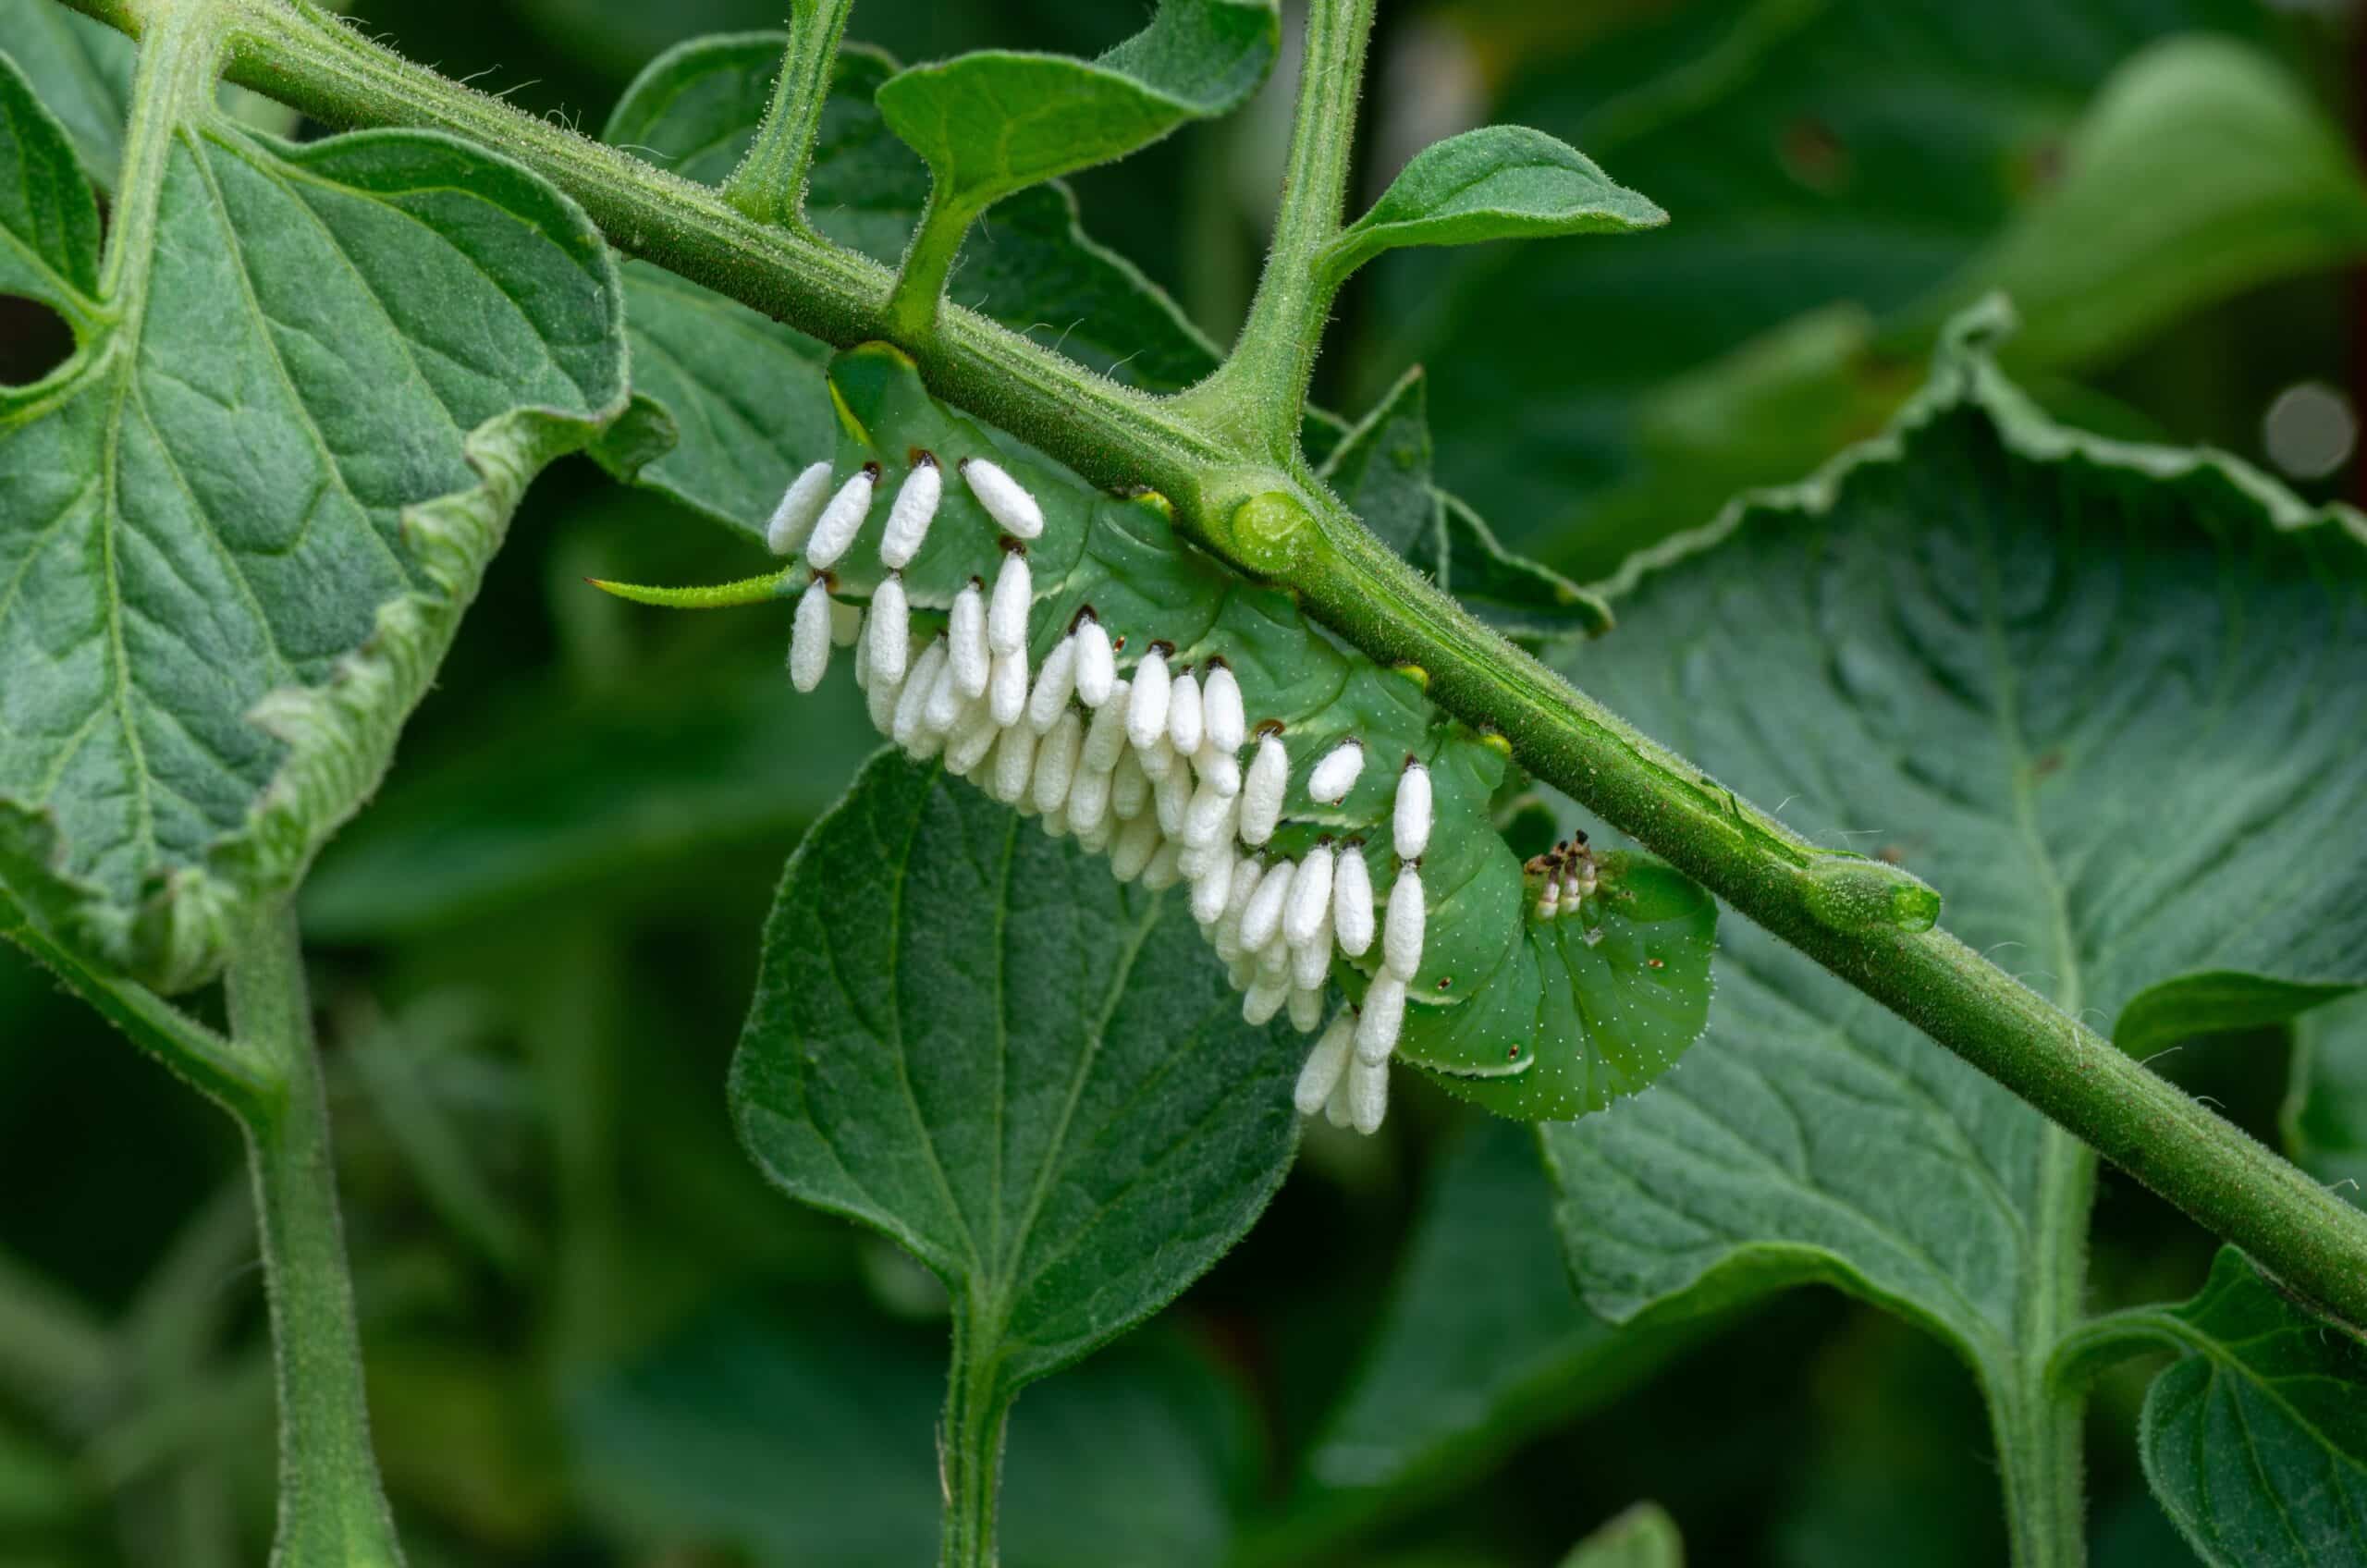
{"x": 1014, "y": 765}
{"x": 1325, "y": 1064}
{"x": 1056, "y": 762}
{"x": 1261, "y": 793}
{"x": 890, "y": 642}
{"x": 906, "y": 731}
{"x": 1096, "y": 662}
{"x": 1367, "y": 1095}
{"x": 1054, "y": 685}
{"x": 841, "y": 518}
{"x": 1184, "y": 715}
{"x": 1146, "y": 717}
{"x": 1007, "y": 686}
{"x": 1384, "y": 1015}
{"x": 1336, "y": 774}
{"x": 793, "y": 519}
{"x": 1006, "y": 500}
{"x": 915, "y": 509}
{"x": 1401, "y": 940}
{"x": 1352, "y": 901}
{"x": 809, "y": 640}
{"x": 1263, "y": 918}
{"x": 1310, "y": 897}
{"x": 966, "y": 634}
{"x": 1412, "y": 818}
{"x": 1014, "y": 596}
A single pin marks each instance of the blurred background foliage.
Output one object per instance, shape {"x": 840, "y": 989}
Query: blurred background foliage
{"x": 594, "y": 1338}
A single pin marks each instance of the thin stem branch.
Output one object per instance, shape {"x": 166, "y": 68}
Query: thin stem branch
{"x": 332, "y": 1509}
{"x": 970, "y": 1441}
{"x": 2227, "y": 1182}
{"x": 769, "y": 184}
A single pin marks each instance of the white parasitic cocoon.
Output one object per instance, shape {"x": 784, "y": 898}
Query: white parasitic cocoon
{"x": 1265, "y": 998}
{"x": 1166, "y": 867}
{"x": 1263, "y": 918}
{"x": 1325, "y": 1065}
{"x": 1006, "y": 500}
{"x": 801, "y": 503}
{"x": 1055, "y": 683}
{"x": 1335, "y": 1109}
{"x": 1213, "y": 886}
{"x": 1219, "y": 769}
{"x": 1129, "y": 786}
{"x": 1210, "y": 818}
{"x": 1056, "y": 763}
{"x": 809, "y": 639}
{"x": 841, "y": 520}
{"x": 1105, "y": 742}
{"x": 1367, "y": 1095}
{"x": 1220, "y": 711}
{"x": 1311, "y": 964}
{"x": 1014, "y": 596}
{"x": 966, "y": 636}
{"x": 1384, "y": 1015}
{"x": 1336, "y": 774}
{"x": 1246, "y": 876}
{"x": 1089, "y": 799}
{"x": 846, "y": 625}
{"x": 1274, "y": 957}
{"x": 908, "y": 517}
{"x": 1261, "y": 792}
{"x": 1305, "y": 1010}
{"x": 1007, "y": 686}
{"x": 945, "y": 703}
{"x": 1310, "y": 897}
{"x": 880, "y": 696}
{"x": 1184, "y": 718}
{"x": 1146, "y": 714}
{"x": 973, "y": 737}
{"x": 1549, "y": 902}
{"x": 1352, "y": 901}
{"x": 906, "y": 730}
{"x": 1401, "y": 939}
{"x": 1170, "y": 799}
{"x": 1158, "y": 760}
{"x": 1412, "y": 819}
{"x": 890, "y": 643}
{"x": 1095, "y": 837}
{"x": 1096, "y": 662}
{"x": 1133, "y": 849}
{"x": 1014, "y": 765}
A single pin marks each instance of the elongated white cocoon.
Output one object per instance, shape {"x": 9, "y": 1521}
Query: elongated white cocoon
{"x": 1412, "y": 818}
{"x": 1261, "y": 792}
{"x": 1055, "y": 682}
{"x": 1305, "y": 1009}
{"x": 1219, "y": 769}
{"x": 1147, "y": 714}
{"x": 1311, "y": 964}
{"x": 1105, "y": 740}
{"x": 908, "y": 518}
{"x": 1007, "y": 686}
{"x": 1246, "y": 876}
{"x": 1133, "y": 849}
{"x": 1129, "y": 786}
{"x": 966, "y": 636}
{"x": 1220, "y": 712}
{"x": 1089, "y": 799}
{"x": 846, "y": 624}
{"x": 1263, "y": 918}
{"x": 1384, "y": 1015}
{"x": 1211, "y": 816}
{"x": 1310, "y": 897}
{"x": 1586, "y": 877}
{"x": 1015, "y": 596}
{"x": 1274, "y": 957}
{"x": 1158, "y": 760}
{"x": 1335, "y": 1108}
{"x": 1166, "y": 867}
{"x": 1095, "y": 837}
{"x": 1265, "y": 998}
{"x": 809, "y": 640}
{"x": 1367, "y": 1095}
{"x": 1240, "y": 972}
{"x": 890, "y": 643}
{"x": 1184, "y": 713}
{"x": 946, "y": 701}
{"x": 1549, "y": 902}
{"x": 1401, "y": 939}
{"x": 1014, "y": 765}
{"x": 1006, "y": 500}
{"x": 1352, "y": 901}
{"x": 1171, "y": 799}
{"x": 1056, "y": 762}
{"x": 1195, "y": 861}
{"x": 1055, "y": 823}
{"x": 793, "y": 519}
{"x": 880, "y": 697}
{"x": 841, "y": 520}
{"x": 917, "y": 688}
{"x": 974, "y": 736}
{"x": 1336, "y": 774}
{"x": 1096, "y": 663}
{"x": 1325, "y": 1064}
{"x": 1213, "y": 884}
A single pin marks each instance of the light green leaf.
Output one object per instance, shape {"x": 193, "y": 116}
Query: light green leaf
{"x": 2102, "y": 697}
{"x": 1644, "y": 1537}
{"x": 1499, "y": 182}
{"x": 240, "y": 525}
{"x": 83, "y": 69}
{"x": 969, "y": 1036}
{"x": 997, "y": 121}
{"x": 2326, "y": 1108}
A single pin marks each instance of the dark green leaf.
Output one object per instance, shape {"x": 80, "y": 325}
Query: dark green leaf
{"x": 995, "y": 122}
{"x": 2325, "y": 1112}
{"x": 1644, "y": 1537}
{"x": 84, "y": 69}
{"x": 1499, "y": 182}
{"x": 243, "y": 522}
{"x": 967, "y": 1034}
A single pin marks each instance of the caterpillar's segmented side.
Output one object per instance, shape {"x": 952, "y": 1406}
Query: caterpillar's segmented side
{"x": 1063, "y": 650}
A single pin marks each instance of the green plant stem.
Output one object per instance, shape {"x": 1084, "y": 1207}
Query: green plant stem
{"x": 769, "y": 184}
{"x": 332, "y": 1509}
{"x": 914, "y": 304}
{"x": 970, "y": 1445}
{"x": 1258, "y": 394}
{"x": 2039, "y": 1426}
{"x": 2227, "y": 1182}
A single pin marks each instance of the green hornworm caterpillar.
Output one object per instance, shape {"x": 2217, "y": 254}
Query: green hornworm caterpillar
{"x": 1063, "y": 650}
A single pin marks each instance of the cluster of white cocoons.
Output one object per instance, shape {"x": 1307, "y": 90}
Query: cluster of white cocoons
{"x": 1144, "y": 765}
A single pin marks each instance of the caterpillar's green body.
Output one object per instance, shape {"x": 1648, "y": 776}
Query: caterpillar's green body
{"x": 1534, "y": 1015}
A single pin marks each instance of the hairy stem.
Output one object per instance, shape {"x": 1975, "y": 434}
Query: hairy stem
{"x": 969, "y": 1454}
{"x": 2314, "y": 1243}
{"x": 2037, "y": 1425}
{"x": 769, "y": 184}
{"x": 332, "y": 1509}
